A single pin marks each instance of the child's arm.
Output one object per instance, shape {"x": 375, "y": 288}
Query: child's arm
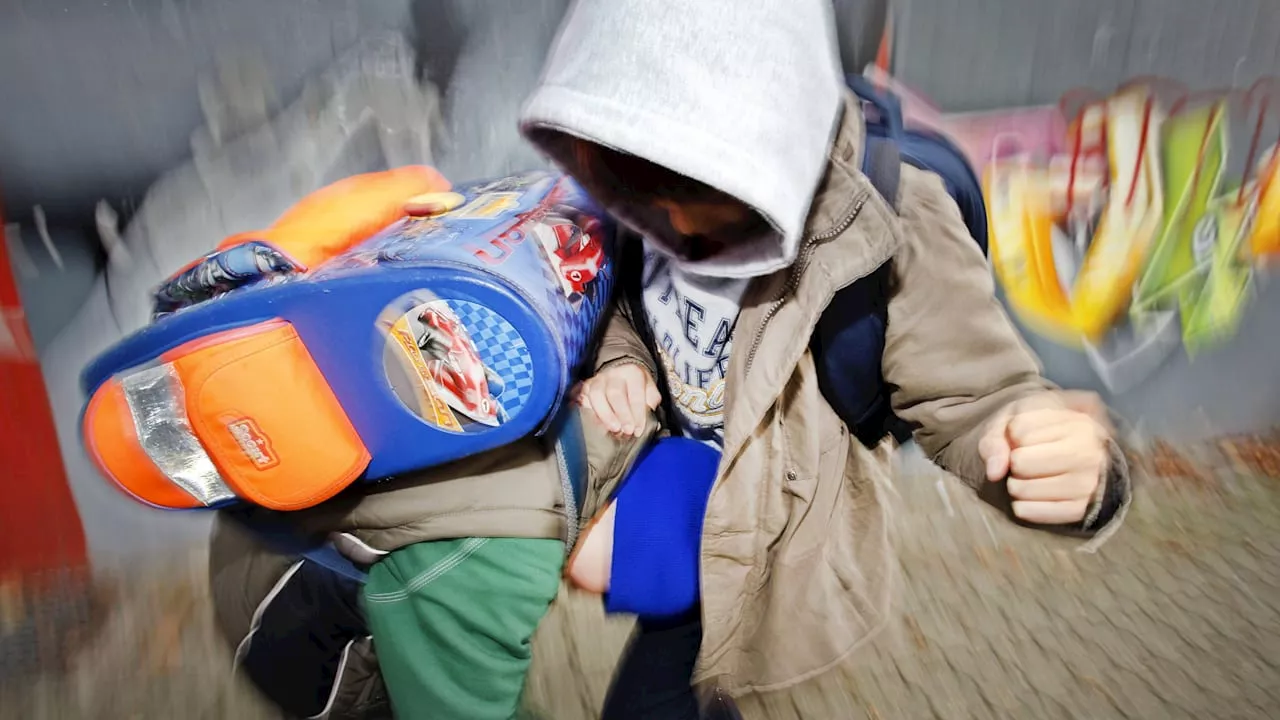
{"x": 622, "y": 393}
{"x": 620, "y": 344}
{"x": 617, "y": 403}
{"x": 973, "y": 391}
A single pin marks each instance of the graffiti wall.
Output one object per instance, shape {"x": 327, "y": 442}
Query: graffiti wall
{"x": 1141, "y": 227}
{"x": 966, "y": 57}
{"x": 1132, "y": 233}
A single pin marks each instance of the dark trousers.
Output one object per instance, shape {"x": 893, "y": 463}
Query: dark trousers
{"x": 653, "y": 680}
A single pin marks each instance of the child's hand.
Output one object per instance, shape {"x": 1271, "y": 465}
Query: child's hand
{"x": 1053, "y": 450}
{"x": 621, "y": 396}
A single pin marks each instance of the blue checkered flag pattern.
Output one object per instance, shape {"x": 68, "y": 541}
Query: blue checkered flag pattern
{"x": 501, "y": 349}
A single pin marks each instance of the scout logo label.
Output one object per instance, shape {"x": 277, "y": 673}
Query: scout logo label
{"x": 253, "y": 443}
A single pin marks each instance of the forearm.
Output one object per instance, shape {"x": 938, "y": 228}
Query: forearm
{"x": 620, "y": 343}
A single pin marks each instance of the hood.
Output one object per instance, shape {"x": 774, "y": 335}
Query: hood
{"x": 742, "y": 95}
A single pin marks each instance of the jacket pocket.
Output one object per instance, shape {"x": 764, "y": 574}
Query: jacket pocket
{"x": 815, "y": 498}
{"x": 858, "y": 554}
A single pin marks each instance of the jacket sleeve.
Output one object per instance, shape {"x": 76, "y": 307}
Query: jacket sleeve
{"x": 620, "y": 343}
{"x": 952, "y": 357}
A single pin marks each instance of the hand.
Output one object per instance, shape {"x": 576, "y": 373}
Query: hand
{"x": 621, "y": 396}
{"x": 1053, "y": 450}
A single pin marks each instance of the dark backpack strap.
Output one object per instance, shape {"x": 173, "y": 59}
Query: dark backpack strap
{"x": 882, "y": 164}
{"x": 328, "y": 557}
{"x": 284, "y": 539}
{"x": 850, "y": 335}
{"x": 565, "y": 434}
{"x": 631, "y": 286}
{"x": 882, "y": 148}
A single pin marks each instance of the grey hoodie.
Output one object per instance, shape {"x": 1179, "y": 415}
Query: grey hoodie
{"x": 737, "y": 95}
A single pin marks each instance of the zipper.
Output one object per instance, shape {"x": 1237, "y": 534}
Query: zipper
{"x": 571, "y": 507}
{"x": 798, "y": 268}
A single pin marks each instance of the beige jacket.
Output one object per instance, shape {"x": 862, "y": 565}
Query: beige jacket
{"x": 795, "y": 557}
{"x": 523, "y": 490}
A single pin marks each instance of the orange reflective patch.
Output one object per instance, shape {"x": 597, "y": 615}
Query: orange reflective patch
{"x": 112, "y": 443}
{"x": 334, "y": 218}
{"x": 267, "y": 417}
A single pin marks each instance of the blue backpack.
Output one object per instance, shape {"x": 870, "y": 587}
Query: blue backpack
{"x": 849, "y": 341}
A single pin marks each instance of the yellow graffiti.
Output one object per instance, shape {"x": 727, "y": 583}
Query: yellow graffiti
{"x": 1265, "y": 239}
{"x": 1160, "y": 234}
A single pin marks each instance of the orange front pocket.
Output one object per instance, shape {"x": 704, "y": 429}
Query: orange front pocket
{"x": 238, "y": 414}
{"x": 267, "y": 417}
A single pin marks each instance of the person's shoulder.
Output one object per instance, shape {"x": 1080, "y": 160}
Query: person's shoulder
{"x": 935, "y": 241}
{"x": 923, "y": 196}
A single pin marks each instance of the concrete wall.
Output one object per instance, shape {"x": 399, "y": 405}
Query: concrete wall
{"x": 980, "y": 54}
{"x": 99, "y": 96}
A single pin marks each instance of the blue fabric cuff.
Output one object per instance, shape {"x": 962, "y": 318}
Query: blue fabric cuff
{"x": 658, "y": 529}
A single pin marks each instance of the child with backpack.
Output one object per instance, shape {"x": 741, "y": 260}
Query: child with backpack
{"x": 793, "y": 293}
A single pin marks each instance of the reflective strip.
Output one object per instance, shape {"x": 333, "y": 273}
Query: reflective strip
{"x": 356, "y": 549}
{"x": 337, "y": 682}
{"x": 242, "y": 650}
{"x": 157, "y": 404}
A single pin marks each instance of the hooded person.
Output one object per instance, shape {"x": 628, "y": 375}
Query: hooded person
{"x": 721, "y": 134}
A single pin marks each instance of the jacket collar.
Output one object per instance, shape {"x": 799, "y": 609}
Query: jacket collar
{"x": 853, "y": 227}
{"x": 840, "y": 179}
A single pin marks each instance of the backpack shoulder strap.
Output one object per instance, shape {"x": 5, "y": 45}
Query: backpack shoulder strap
{"x": 328, "y": 557}
{"x": 285, "y": 539}
{"x": 850, "y": 334}
{"x": 881, "y": 152}
{"x": 882, "y": 164}
{"x": 630, "y": 274}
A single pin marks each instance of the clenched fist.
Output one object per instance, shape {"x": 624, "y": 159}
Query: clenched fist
{"x": 621, "y": 397}
{"x": 1052, "y": 448}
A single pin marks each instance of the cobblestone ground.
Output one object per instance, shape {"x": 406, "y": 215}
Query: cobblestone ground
{"x": 1178, "y": 616}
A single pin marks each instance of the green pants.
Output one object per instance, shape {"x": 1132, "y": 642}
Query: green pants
{"x": 452, "y": 622}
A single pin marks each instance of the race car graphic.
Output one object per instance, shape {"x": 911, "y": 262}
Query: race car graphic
{"x": 575, "y": 252}
{"x": 462, "y": 379}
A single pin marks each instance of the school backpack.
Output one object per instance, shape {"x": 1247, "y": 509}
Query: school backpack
{"x": 849, "y": 341}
